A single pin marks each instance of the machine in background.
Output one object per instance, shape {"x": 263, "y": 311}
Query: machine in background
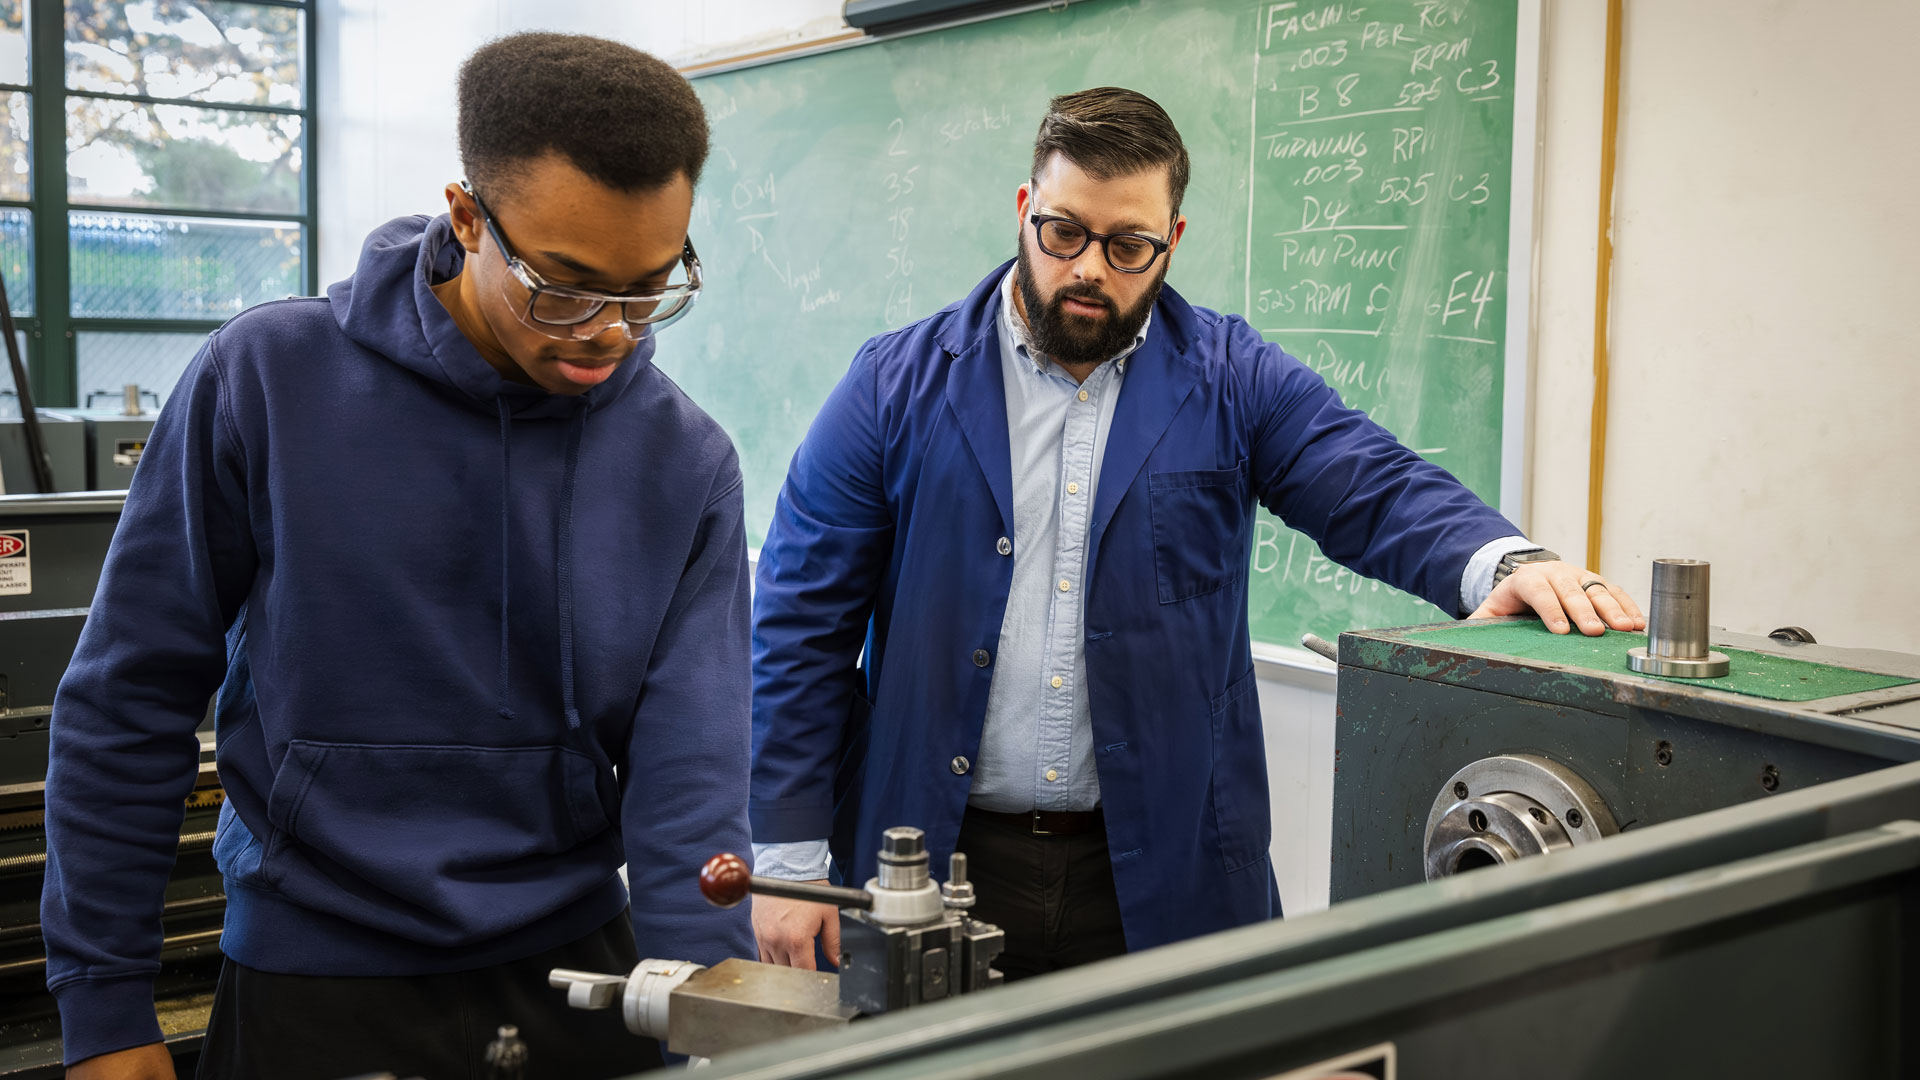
{"x": 51, "y": 551}
{"x": 1462, "y": 746}
{"x": 65, "y": 442}
{"x": 904, "y": 942}
{"x": 88, "y": 449}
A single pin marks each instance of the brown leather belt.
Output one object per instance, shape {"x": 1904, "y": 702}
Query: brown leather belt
{"x": 1046, "y": 822}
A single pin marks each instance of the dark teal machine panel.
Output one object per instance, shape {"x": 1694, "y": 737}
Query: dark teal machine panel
{"x": 1418, "y": 706}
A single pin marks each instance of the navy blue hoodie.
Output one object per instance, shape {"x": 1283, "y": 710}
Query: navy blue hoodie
{"x": 440, "y": 610}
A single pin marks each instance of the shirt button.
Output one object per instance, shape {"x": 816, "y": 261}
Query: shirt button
{"x": 981, "y": 658}
{"x": 1053, "y": 774}
{"x": 1064, "y": 585}
{"x": 1073, "y": 487}
{"x": 1083, "y": 395}
{"x": 960, "y": 766}
{"x": 1004, "y": 547}
{"x": 1057, "y": 682}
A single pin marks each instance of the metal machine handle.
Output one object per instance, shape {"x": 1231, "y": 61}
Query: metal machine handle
{"x": 726, "y": 880}
{"x": 1321, "y": 646}
{"x": 588, "y": 989}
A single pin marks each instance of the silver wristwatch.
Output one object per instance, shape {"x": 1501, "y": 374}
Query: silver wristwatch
{"x": 1511, "y": 561}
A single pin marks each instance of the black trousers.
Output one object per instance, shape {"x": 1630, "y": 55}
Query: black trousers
{"x": 437, "y": 1027}
{"x": 1053, "y": 895}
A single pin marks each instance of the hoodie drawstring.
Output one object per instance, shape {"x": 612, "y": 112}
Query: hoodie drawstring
{"x": 506, "y": 548}
{"x": 564, "y": 555}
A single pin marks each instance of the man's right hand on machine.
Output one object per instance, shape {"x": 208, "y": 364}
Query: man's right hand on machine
{"x": 785, "y": 930}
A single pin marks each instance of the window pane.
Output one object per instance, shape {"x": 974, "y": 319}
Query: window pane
{"x": 140, "y": 267}
{"x": 127, "y": 153}
{"x": 16, "y": 151}
{"x": 108, "y": 360}
{"x": 203, "y": 50}
{"x": 9, "y": 398}
{"x": 13, "y": 42}
{"x": 16, "y": 258}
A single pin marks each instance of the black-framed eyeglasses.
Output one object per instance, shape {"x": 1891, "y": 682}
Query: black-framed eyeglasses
{"x": 569, "y": 313}
{"x": 1065, "y": 238}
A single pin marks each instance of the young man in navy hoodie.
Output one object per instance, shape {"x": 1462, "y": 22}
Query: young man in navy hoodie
{"x": 469, "y": 576}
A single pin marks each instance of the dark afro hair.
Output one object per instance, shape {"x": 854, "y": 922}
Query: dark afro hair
{"x": 620, "y": 116}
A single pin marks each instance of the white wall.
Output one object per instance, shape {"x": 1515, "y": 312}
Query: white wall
{"x": 1571, "y": 70}
{"x": 1296, "y": 708}
{"x": 386, "y": 85}
{"x": 1766, "y": 335}
{"x": 1765, "y": 354}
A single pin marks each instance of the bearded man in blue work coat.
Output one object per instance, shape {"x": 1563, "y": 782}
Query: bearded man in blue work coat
{"x": 1033, "y": 510}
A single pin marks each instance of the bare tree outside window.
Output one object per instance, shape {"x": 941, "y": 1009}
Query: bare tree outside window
{"x": 187, "y": 197}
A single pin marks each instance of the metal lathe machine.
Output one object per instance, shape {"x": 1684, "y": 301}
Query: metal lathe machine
{"x": 904, "y": 942}
{"x": 1546, "y": 863}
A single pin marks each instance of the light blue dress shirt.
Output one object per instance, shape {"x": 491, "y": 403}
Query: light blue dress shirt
{"x": 1036, "y": 746}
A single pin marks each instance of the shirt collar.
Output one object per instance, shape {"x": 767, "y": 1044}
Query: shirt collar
{"x": 1016, "y": 330}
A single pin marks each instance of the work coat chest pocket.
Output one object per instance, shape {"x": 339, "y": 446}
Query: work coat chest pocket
{"x": 1200, "y": 520}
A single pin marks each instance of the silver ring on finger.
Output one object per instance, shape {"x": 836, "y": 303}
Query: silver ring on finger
{"x": 1585, "y": 585}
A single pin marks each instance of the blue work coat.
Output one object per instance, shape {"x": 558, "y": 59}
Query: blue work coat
{"x": 888, "y": 534}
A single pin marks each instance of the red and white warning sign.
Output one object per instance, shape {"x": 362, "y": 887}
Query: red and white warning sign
{"x": 16, "y": 563}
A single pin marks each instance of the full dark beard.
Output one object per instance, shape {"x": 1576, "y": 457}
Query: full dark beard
{"x": 1072, "y": 340}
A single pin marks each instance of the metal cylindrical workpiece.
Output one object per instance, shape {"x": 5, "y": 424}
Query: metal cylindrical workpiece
{"x": 1677, "y": 641}
{"x": 131, "y": 395}
{"x": 1677, "y": 616}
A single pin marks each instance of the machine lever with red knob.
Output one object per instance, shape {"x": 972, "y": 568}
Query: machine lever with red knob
{"x": 726, "y": 880}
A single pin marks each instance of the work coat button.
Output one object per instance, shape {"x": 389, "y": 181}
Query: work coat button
{"x": 981, "y": 658}
{"x": 1004, "y": 547}
{"x": 960, "y": 765}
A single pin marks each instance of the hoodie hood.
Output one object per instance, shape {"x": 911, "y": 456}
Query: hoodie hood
{"x": 388, "y": 306}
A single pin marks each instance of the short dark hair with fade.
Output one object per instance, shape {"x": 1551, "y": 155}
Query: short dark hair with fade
{"x": 1110, "y": 131}
{"x": 620, "y": 116}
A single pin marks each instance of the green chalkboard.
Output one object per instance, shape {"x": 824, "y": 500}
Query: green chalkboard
{"x": 1353, "y": 196}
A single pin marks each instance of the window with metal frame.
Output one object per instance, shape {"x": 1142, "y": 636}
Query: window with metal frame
{"x": 182, "y": 194}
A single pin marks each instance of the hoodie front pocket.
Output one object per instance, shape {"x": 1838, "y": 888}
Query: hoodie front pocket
{"x": 432, "y": 823}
